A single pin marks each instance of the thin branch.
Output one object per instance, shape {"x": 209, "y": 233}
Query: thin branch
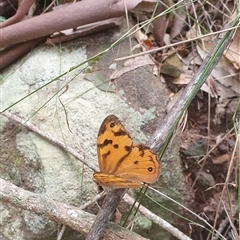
{"x": 190, "y": 211}
{"x": 9, "y": 55}
{"x": 20, "y": 14}
{"x": 111, "y": 202}
{"x": 66, "y": 17}
{"x": 71, "y": 216}
{"x": 225, "y": 186}
{"x": 71, "y": 34}
{"x": 51, "y": 139}
{"x": 156, "y": 219}
{"x": 157, "y": 49}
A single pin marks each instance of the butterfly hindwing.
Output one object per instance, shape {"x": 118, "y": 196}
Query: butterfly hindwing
{"x": 111, "y": 181}
{"x": 140, "y": 165}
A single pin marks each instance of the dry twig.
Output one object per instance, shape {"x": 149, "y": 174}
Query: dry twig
{"x": 71, "y": 216}
{"x": 66, "y": 17}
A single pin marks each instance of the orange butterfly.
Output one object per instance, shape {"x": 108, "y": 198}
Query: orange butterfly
{"x": 123, "y": 164}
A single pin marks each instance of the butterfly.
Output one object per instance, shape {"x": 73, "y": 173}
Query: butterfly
{"x": 122, "y": 163}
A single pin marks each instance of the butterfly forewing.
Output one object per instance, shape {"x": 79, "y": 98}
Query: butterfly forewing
{"x": 114, "y": 144}
{"x": 140, "y": 165}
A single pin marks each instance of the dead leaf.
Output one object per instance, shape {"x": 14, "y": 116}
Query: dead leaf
{"x": 132, "y": 64}
{"x": 161, "y": 23}
{"x": 70, "y": 34}
{"x": 226, "y": 83}
{"x": 224, "y": 71}
{"x": 178, "y": 21}
{"x": 144, "y": 6}
{"x": 227, "y": 101}
{"x": 186, "y": 77}
{"x": 100, "y": 82}
{"x": 221, "y": 159}
{"x": 233, "y": 51}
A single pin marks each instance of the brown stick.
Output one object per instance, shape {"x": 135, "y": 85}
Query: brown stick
{"x": 51, "y": 139}
{"x": 84, "y": 30}
{"x": 65, "y": 214}
{"x": 9, "y": 55}
{"x": 111, "y": 202}
{"x": 21, "y": 12}
{"x": 70, "y": 16}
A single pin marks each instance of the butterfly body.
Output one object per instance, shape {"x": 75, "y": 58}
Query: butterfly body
{"x": 123, "y": 164}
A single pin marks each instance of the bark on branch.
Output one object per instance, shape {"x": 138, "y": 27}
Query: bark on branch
{"x": 70, "y": 16}
{"x": 73, "y": 217}
{"x": 21, "y": 12}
